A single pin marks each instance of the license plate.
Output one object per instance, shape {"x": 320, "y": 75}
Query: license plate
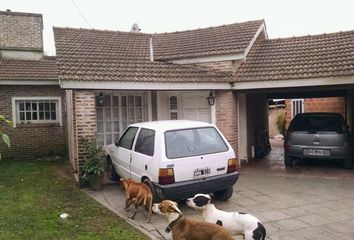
{"x": 200, "y": 172}
{"x": 317, "y": 152}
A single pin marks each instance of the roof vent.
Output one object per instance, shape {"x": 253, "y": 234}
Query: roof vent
{"x": 8, "y": 10}
{"x": 135, "y": 28}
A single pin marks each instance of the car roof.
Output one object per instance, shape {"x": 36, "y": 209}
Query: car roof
{"x": 319, "y": 114}
{"x": 171, "y": 125}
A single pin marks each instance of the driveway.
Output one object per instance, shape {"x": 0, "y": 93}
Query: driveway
{"x": 302, "y": 203}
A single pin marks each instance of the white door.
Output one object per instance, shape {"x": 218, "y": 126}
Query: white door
{"x": 195, "y": 106}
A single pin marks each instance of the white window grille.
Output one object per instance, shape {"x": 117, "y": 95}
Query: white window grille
{"x": 297, "y": 106}
{"x": 36, "y": 110}
{"x": 116, "y": 113}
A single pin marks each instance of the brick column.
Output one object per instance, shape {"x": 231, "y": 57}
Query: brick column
{"x": 85, "y": 119}
{"x": 226, "y": 116}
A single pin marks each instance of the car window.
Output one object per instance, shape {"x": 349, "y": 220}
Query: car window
{"x": 145, "y": 142}
{"x": 315, "y": 124}
{"x": 193, "y": 142}
{"x": 126, "y": 141}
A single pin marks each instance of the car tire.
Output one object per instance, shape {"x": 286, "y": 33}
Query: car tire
{"x": 347, "y": 164}
{"x": 156, "y": 198}
{"x": 224, "y": 194}
{"x": 111, "y": 172}
{"x": 288, "y": 161}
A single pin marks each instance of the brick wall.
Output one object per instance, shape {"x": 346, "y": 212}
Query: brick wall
{"x": 328, "y": 104}
{"x": 226, "y": 116}
{"x": 33, "y": 140}
{"x": 21, "y": 31}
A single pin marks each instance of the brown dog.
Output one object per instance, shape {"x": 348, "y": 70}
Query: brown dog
{"x": 139, "y": 193}
{"x": 187, "y": 229}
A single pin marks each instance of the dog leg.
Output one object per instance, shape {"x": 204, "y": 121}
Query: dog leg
{"x": 128, "y": 201}
{"x": 148, "y": 207}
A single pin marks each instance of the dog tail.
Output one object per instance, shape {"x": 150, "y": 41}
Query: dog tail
{"x": 148, "y": 202}
{"x": 260, "y": 232}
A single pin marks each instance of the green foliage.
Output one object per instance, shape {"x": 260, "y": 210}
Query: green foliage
{"x": 281, "y": 123}
{"x": 93, "y": 165}
{"x": 4, "y": 137}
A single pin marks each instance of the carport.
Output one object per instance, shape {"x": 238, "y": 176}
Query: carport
{"x": 299, "y": 67}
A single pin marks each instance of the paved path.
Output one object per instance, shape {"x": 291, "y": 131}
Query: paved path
{"x": 306, "y": 202}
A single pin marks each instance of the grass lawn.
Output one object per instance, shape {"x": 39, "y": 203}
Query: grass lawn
{"x": 34, "y": 194}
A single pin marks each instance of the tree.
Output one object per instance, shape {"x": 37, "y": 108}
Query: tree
{"x": 4, "y": 137}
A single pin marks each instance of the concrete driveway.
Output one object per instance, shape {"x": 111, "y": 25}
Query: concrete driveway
{"x": 306, "y": 202}
{"x": 291, "y": 206}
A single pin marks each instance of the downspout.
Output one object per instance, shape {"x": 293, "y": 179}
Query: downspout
{"x": 151, "y": 50}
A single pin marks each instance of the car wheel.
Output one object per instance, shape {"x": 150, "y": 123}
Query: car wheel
{"x": 224, "y": 194}
{"x": 347, "y": 164}
{"x": 288, "y": 161}
{"x": 156, "y": 199}
{"x": 112, "y": 175}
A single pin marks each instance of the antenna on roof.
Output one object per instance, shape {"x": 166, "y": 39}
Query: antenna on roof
{"x": 135, "y": 28}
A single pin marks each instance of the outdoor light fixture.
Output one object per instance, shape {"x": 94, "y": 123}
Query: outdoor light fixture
{"x": 100, "y": 99}
{"x": 211, "y": 98}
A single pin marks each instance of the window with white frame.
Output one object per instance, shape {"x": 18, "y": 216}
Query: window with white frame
{"x": 36, "y": 110}
{"x": 116, "y": 113}
{"x": 297, "y": 106}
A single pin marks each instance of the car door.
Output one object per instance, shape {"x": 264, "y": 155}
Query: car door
{"x": 142, "y": 156}
{"x": 123, "y": 152}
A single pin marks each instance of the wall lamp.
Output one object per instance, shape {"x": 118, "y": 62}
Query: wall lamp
{"x": 211, "y": 98}
{"x": 100, "y": 99}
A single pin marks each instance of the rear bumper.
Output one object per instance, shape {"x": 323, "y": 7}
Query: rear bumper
{"x": 335, "y": 152}
{"x": 186, "y": 189}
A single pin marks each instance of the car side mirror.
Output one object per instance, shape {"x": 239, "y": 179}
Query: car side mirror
{"x": 117, "y": 143}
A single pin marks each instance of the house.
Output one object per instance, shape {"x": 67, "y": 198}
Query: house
{"x": 109, "y": 79}
{"x": 29, "y": 89}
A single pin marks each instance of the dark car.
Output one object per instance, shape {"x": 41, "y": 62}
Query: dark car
{"x": 318, "y": 135}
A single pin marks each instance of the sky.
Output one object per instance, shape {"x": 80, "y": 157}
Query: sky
{"x": 283, "y": 18}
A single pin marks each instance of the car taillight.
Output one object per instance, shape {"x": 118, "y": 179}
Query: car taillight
{"x": 166, "y": 176}
{"x": 231, "y": 165}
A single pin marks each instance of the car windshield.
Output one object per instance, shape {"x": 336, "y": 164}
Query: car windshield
{"x": 193, "y": 142}
{"x": 315, "y": 124}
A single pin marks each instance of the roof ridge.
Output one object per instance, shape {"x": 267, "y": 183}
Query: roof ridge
{"x": 311, "y": 35}
{"x": 99, "y": 30}
{"x": 211, "y": 27}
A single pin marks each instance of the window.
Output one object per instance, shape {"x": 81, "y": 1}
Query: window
{"x": 116, "y": 113}
{"x": 128, "y": 138}
{"x": 193, "y": 142}
{"x": 145, "y": 143}
{"x": 173, "y": 108}
{"x": 297, "y": 106}
{"x": 36, "y": 110}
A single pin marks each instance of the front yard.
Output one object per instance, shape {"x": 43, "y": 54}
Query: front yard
{"x": 34, "y": 193}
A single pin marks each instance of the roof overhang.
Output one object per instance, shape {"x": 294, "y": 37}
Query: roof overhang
{"x": 29, "y": 82}
{"x": 143, "y": 85}
{"x": 309, "y": 82}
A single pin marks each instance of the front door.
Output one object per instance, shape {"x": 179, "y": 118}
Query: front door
{"x": 195, "y": 106}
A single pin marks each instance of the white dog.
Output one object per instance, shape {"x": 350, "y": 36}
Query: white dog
{"x": 234, "y": 222}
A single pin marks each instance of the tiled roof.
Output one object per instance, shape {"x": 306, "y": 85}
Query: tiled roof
{"x": 316, "y": 56}
{"x": 45, "y": 69}
{"x": 226, "y": 39}
{"x": 95, "y": 55}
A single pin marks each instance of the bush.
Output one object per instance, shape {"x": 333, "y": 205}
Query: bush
{"x": 281, "y": 123}
{"x": 93, "y": 165}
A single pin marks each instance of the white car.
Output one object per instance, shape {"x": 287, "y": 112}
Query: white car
{"x": 176, "y": 159}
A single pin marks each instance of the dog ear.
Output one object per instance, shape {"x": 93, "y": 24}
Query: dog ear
{"x": 175, "y": 203}
{"x": 173, "y": 209}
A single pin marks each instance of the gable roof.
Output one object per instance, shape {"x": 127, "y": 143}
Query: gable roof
{"x": 316, "y": 56}
{"x": 221, "y": 40}
{"x": 44, "y": 69}
{"x": 96, "y": 55}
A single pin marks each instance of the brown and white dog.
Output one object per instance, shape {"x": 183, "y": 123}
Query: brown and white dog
{"x": 187, "y": 229}
{"x": 234, "y": 222}
{"x": 139, "y": 193}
